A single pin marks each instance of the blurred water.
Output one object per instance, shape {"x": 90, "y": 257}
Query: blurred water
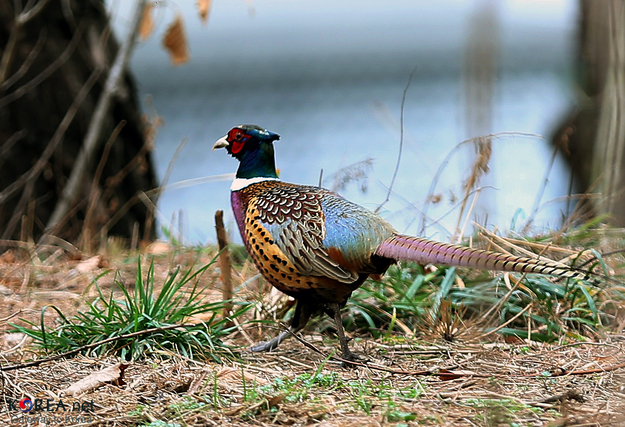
{"x": 329, "y": 77}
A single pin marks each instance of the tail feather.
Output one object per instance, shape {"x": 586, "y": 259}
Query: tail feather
{"x": 426, "y": 251}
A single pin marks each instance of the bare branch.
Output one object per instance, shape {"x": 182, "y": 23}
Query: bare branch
{"x": 9, "y": 143}
{"x": 54, "y": 142}
{"x": 21, "y": 91}
{"x": 29, "y": 14}
{"x": 27, "y": 62}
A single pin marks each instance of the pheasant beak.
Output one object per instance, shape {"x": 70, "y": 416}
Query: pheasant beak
{"x": 221, "y": 143}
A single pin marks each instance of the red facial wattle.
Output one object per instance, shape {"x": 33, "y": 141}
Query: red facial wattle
{"x": 237, "y": 146}
{"x": 237, "y": 138}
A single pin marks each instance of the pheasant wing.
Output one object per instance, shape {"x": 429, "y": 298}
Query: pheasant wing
{"x": 321, "y": 233}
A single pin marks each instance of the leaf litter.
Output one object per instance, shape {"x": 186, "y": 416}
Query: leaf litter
{"x": 406, "y": 381}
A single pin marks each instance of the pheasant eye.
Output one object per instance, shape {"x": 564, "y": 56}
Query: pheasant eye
{"x": 238, "y": 138}
{"x": 237, "y": 135}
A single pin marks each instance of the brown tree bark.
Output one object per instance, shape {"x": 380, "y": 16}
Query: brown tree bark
{"x": 54, "y": 62}
{"x": 593, "y": 135}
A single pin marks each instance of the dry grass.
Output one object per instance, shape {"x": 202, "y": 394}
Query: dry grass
{"x": 489, "y": 384}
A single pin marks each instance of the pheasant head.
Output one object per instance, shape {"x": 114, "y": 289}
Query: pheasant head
{"x": 252, "y": 146}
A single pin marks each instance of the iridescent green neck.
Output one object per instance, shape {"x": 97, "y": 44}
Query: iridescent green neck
{"x": 258, "y": 163}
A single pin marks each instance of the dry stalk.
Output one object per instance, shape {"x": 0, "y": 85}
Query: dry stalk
{"x": 92, "y": 345}
{"x": 401, "y": 141}
{"x": 224, "y": 264}
{"x": 94, "y": 195}
{"x": 483, "y": 147}
{"x": 159, "y": 190}
{"x": 429, "y": 196}
{"x": 540, "y": 193}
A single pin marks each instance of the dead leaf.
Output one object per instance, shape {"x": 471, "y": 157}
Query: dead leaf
{"x": 113, "y": 374}
{"x": 8, "y": 257}
{"x": 147, "y": 23}
{"x": 446, "y": 375}
{"x": 159, "y": 248}
{"x": 232, "y": 379}
{"x": 199, "y": 318}
{"x": 203, "y": 7}
{"x": 276, "y": 400}
{"x": 197, "y": 382}
{"x": 513, "y": 339}
{"x": 175, "y": 42}
{"x": 88, "y": 265}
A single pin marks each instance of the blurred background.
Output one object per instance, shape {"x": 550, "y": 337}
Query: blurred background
{"x": 329, "y": 78}
{"x": 435, "y": 114}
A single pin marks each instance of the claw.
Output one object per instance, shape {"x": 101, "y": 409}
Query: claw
{"x": 263, "y": 346}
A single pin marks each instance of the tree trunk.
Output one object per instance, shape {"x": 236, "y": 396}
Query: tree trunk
{"x": 593, "y": 136}
{"x": 54, "y": 63}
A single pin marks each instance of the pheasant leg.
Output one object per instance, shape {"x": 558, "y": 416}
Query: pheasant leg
{"x": 300, "y": 319}
{"x": 334, "y": 310}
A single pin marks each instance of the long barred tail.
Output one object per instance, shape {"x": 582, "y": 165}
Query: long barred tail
{"x": 426, "y": 251}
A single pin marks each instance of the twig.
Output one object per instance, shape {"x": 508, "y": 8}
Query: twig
{"x": 567, "y": 395}
{"x": 146, "y": 196}
{"x": 26, "y": 16}
{"x": 9, "y": 50}
{"x": 10, "y": 316}
{"x": 33, "y": 173}
{"x": 401, "y": 141}
{"x": 242, "y": 331}
{"x": 354, "y": 363}
{"x": 495, "y": 308}
{"x": 224, "y": 265}
{"x": 9, "y": 81}
{"x": 15, "y": 347}
{"x": 9, "y": 143}
{"x": 53, "y": 243}
{"x": 525, "y": 252}
{"x": 93, "y": 345}
{"x": 54, "y": 142}
{"x": 22, "y": 90}
{"x": 189, "y": 183}
{"x": 563, "y": 372}
{"x": 514, "y": 243}
{"x": 503, "y": 325}
{"x": 70, "y": 192}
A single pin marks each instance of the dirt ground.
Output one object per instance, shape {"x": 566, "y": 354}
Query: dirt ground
{"x": 403, "y": 381}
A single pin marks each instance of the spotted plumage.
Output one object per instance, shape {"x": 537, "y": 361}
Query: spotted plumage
{"x": 284, "y": 229}
{"x": 318, "y": 247}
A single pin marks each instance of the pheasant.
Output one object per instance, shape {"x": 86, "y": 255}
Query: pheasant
{"x": 318, "y": 247}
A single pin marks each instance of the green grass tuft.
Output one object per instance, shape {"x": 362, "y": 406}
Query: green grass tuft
{"x": 560, "y": 309}
{"x": 138, "y": 311}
